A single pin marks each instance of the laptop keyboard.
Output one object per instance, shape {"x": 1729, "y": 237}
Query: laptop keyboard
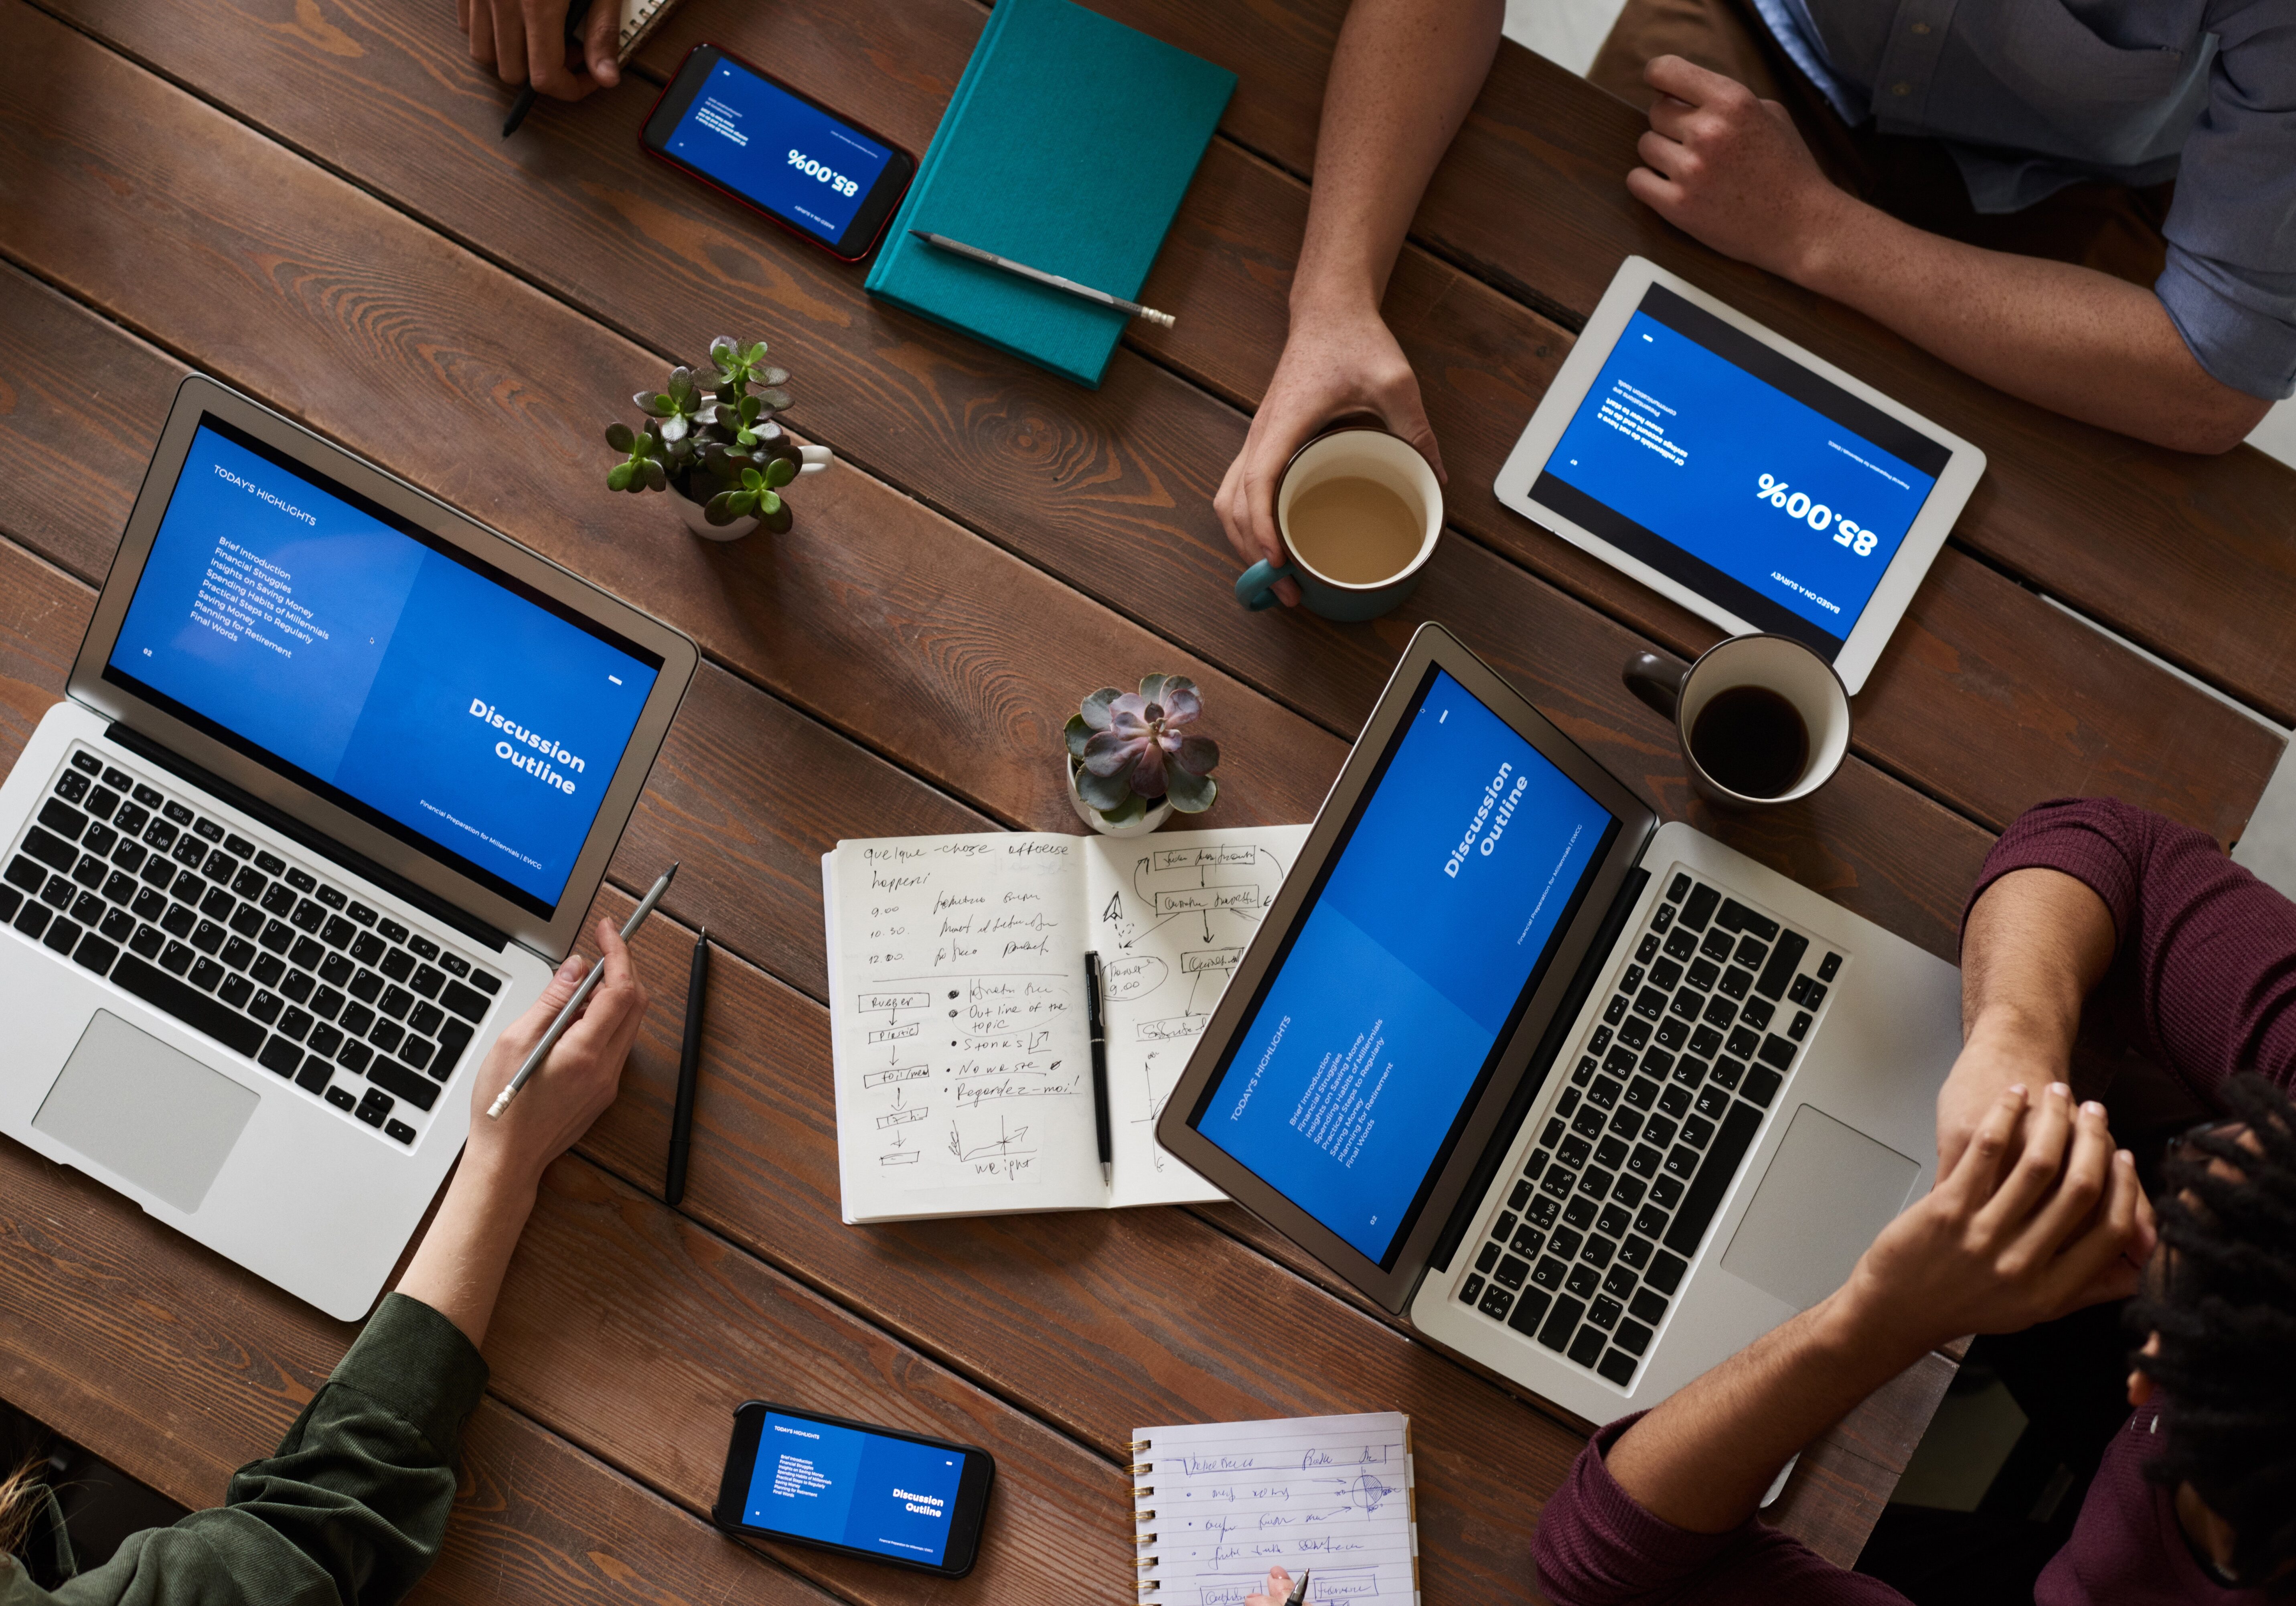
{"x": 129, "y": 879}
{"x": 1668, "y": 1097}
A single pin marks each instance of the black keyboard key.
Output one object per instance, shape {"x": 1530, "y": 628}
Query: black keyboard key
{"x": 1587, "y": 1123}
{"x": 207, "y": 975}
{"x": 302, "y": 880}
{"x": 149, "y": 904}
{"x": 193, "y": 1008}
{"x": 360, "y": 913}
{"x": 364, "y": 986}
{"x": 1682, "y": 1161}
{"x": 353, "y": 1054}
{"x": 51, "y": 850}
{"x": 1727, "y": 1072}
{"x": 1583, "y": 1281}
{"x": 1737, "y": 917}
{"x": 1587, "y": 1348}
{"x": 1520, "y": 1197}
{"x": 342, "y": 1099}
{"x": 1504, "y": 1226}
{"x": 206, "y": 936}
{"x": 277, "y": 935}
{"x": 90, "y": 872}
{"x": 269, "y": 862}
{"x": 367, "y": 947}
{"x": 1631, "y": 979}
{"x": 1712, "y": 1100}
{"x": 33, "y": 919}
{"x": 325, "y": 1003}
{"x": 1761, "y": 1085}
{"x": 1617, "y": 1367}
{"x": 1620, "y": 1283}
{"x": 316, "y": 1074}
{"x": 238, "y": 844}
{"x": 1665, "y": 974}
{"x": 1530, "y": 1306}
{"x": 1697, "y": 1132}
{"x": 1799, "y": 1030}
{"x": 1665, "y": 1272}
{"x": 1785, "y": 960}
{"x": 175, "y": 958}
{"x": 25, "y": 873}
{"x": 1775, "y": 1052}
{"x": 454, "y": 964}
{"x": 1549, "y": 1273}
{"x": 208, "y": 828}
{"x": 1687, "y": 1004}
{"x": 235, "y": 991}
{"x": 339, "y": 933}
{"x": 88, "y": 909}
{"x": 1698, "y": 909}
{"x": 63, "y": 819}
{"x": 491, "y": 984}
{"x": 1604, "y": 1313}
{"x": 1634, "y": 1248}
{"x": 1665, "y": 1192}
{"x": 1798, "y": 993}
{"x": 294, "y": 1024}
{"x": 280, "y": 899}
{"x": 1649, "y": 1307}
{"x": 1511, "y": 1272}
{"x": 1664, "y": 918}
{"x": 1743, "y": 1042}
{"x": 1495, "y": 1302}
{"x": 1659, "y": 1132}
{"x": 86, "y": 763}
{"x": 306, "y": 955}
{"x": 1471, "y": 1289}
{"x": 1536, "y": 1164}
{"x": 374, "y": 1108}
{"x": 1573, "y": 1151}
{"x": 331, "y": 898}
{"x": 336, "y": 971}
{"x": 1633, "y": 1337}
{"x": 1627, "y": 1123}
{"x": 399, "y": 1130}
{"x": 268, "y": 970}
{"x": 424, "y": 947}
{"x": 1829, "y": 967}
{"x": 121, "y": 888}
{"x": 1641, "y": 1092}
{"x": 1566, "y": 1243}
{"x": 249, "y": 882}
{"x": 103, "y": 802}
{"x": 131, "y": 820}
{"x": 189, "y": 852}
{"x": 1595, "y": 1182}
{"x": 464, "y": 1002}
{"x": 1579, "y": 1213}
{"x": 1489, "y": 1257}
{"x": 1628, "y": 1192}
{"x": 1756, "y": 1016}
{"x": 1633, "y": 1034}
{"x": 1735, "y": 982}
{"x": 1644, "y": 1161}
{"x": 1681, "y": 943}
{"x": 1542, "y": 1210}
{"x": 307, "y": 917}
{"x": 392, "y": 930}
{"x": 1561, "y": 1322}
{"x": 147, "y": 942}
{"x": 159, "y": 836}
{"x": 58, "y": 894}
{"x": 220, "y": 866}
{"x": 1650, "y": 1003}
{"x": 1598, "y": 1250}
{"x": 1720, "y": 1013}
{"x": 1713, "y": 1181}
{"x": 298, "y": 985}
{"x": 1672, "y": 1034}
{"x": 158, "y": 874}
{"x": 1615, "y": 1011}
{"x": 1528, "y": 1240}
{"x": 396, "y": 1078}
{"x": 355, "y": 1018}
{"x": 119, "y": 925}
{"x": 95, "y": 952}
{"x": 1678, "y": 888}
{"x": 397, "y": 965}
{"x": 1718, "y": 945}
{"x": 385, "y": 1035}
{"x": 1751, "y": 953}
{"x": 324, "y": 1039}
{"x": 1816, "y": 996}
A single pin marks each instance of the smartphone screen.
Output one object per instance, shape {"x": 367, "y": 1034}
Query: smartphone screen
{"x": 778, "y": 151}
{"x": 851, "y": 1487}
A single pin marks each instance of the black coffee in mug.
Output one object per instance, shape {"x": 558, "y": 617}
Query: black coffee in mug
{"x": 1752, "y": 740}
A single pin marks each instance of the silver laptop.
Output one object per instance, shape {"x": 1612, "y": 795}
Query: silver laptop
{"x": 1598, "y": 1102}
{"x": 338, "y": 776}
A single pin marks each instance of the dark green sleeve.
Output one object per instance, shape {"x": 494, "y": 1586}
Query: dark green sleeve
{"x": 353, "y": 1506}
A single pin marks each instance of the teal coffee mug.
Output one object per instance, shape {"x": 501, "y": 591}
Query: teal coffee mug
{"x": 1359, "y": 513}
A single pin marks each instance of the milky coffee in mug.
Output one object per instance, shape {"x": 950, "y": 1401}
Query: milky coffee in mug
{"x": 1359, "y": 513}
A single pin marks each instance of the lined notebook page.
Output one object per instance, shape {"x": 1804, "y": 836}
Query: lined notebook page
{"x": 1217, "y": 1504}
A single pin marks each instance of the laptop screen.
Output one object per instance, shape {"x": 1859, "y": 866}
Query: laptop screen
{"x": 462, "y": 711}
{"x": 1407, "y": 969}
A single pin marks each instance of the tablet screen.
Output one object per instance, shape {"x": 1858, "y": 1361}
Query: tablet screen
{"x": 1405, "y": 974}
{"x": 1731, "y": 468}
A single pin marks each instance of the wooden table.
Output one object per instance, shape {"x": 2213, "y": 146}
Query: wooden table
{"x": 308, "y": 199}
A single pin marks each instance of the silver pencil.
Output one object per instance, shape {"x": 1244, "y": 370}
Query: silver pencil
{"x": 581, "y": 994}
{"x": 1134, "y": 309}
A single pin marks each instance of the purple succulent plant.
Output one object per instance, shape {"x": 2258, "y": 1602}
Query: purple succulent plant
{"x": 1135, "y": 750}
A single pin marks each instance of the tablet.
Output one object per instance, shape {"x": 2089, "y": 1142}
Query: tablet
{"x": 1725, "y": 467}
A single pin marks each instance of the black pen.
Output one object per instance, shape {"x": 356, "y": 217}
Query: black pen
{"x": 1298, "y": 1596}
{"x": 689, "y": 1065}
{"x": 1099, "y": 1065}
{"x": 524, "y": 104}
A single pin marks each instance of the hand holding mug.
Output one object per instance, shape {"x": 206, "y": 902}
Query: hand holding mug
{"x": 1358, "y": 513}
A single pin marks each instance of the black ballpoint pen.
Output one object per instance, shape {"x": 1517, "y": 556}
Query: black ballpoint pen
{"x": 1298, "y": 1596}
{"x": 689, "y": 1066}
{"x": 575, "y": 13}
{"x": 1099, "y": 1065}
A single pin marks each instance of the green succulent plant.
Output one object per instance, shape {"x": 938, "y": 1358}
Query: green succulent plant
{"x": 1132, "y": 750}
{"x": 710, "y": 434}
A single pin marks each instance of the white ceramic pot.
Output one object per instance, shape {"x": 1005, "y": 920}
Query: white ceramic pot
{"x": 1147, "y": 823}
{"x": 816, "y": 459}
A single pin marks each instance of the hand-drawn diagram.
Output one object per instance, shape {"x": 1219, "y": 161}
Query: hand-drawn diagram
{"x": 1169, "y": 943}
{"x": 1332, "y": 1584}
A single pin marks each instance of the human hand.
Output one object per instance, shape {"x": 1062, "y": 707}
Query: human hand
{"x": 1278, "y": 1590}
{"x": 1333, "y": 365}
{"x": 524, "y": 41}
{"x": 2040, "y": 1217}
{"x": 572, "y": 1087}
{"x": 1731, "y": 170}
{"x": 1996, "y": 1057}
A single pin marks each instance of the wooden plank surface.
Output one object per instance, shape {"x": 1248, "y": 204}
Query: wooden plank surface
{"x": 2191, "y": 556}
{"x": 2018, "y": 677}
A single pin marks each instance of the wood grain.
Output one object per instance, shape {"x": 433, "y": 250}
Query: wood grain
{"x": 2191, "y": 556}
{"x": 977, "y": 715}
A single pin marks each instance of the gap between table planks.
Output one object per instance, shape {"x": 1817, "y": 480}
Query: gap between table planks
{"x": 1980, "y": 662}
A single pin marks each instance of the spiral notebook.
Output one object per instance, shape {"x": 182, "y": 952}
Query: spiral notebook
{"x": 1215, "y": 1504}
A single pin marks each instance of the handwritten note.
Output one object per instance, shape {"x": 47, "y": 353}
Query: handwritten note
{"x": 971, "y": 1067}
{"x": 1217, "y": 1505}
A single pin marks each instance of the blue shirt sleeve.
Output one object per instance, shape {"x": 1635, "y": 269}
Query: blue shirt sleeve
{"x": 2230, "y": 283}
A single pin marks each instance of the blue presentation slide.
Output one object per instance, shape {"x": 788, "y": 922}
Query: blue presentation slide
{"x": 821, "y": 1481}
{"x": 766, "y": 143}
{"x": 418, "y": 686}
{"x": 1373, "y": 1033}
{"x": 1742, "y": 476}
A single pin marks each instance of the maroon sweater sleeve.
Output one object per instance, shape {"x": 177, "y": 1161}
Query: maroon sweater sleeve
{"x": 1597, "y": 1547}
{"x": 2205, "y": 967}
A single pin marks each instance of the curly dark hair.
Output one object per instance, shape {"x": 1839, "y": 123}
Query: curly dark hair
{"x": 2226, "y": 1311}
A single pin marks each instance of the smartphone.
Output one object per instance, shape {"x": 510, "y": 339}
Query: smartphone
{"x": 847, "y": 1486}
{"x": 822, "y": 176}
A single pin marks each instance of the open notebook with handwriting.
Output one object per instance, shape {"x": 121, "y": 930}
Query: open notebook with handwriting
{"x": 958, "y": 1008}
{"x": 1215, "y": 1506}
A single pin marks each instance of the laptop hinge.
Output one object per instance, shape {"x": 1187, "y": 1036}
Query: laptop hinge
{"x": 318, "y": 841}
{"x": 1534, "y": 1074}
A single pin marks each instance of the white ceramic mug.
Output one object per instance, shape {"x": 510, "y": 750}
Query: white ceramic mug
{"x": 1774, "y": 663}
{"x": 1350, "y": 451}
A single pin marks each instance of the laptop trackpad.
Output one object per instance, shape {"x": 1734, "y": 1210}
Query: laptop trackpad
{"x": 1828, "y": 1194}
{"x": 155, "y": 1116}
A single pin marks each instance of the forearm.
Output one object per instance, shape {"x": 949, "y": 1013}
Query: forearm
{"x": 1703, "y": 1460}
{"x": 1403, "y": 77}
{"x": 2066, "y": 337}
{"x": 458, "y": 1268}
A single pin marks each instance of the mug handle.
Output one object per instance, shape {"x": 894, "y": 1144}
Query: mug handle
{"x": 1657, "y": 681}
{"x": 812, "y": 459}
{"x": 1255, "y": 587}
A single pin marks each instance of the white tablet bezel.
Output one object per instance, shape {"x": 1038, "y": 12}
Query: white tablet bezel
{"x": 1879, "y": 620}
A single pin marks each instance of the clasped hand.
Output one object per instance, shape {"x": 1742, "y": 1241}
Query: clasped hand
{"x": 2037, "y": 1217}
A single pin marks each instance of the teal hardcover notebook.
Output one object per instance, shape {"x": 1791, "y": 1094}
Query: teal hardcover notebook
{"x": 1068, "y": 145}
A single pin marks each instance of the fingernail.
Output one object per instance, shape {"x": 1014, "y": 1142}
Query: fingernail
{"x": 2092, "y": 1107}
{"x": 2060, "y": 1090}
{"x": 2018, "y": 1088}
